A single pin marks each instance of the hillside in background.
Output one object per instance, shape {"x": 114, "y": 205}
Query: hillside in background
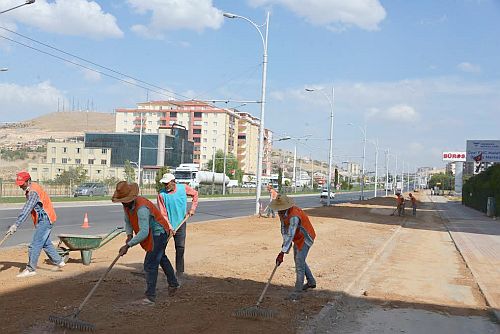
{"x": 54, "y": 126}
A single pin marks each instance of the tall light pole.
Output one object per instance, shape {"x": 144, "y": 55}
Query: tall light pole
{"x": 376, "y": 166}
{"x": 262, "y": 102}
{"x": 386, "y": 171}
{"x": 27, "y": 2}
{"x": 363, "y": 131}
{"x": 140, "y": 154}
{"x": 330, "y": 151}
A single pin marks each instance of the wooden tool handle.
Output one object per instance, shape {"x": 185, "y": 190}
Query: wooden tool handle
{"x": 178, "y": 227}
{"x": 267, "y": 285}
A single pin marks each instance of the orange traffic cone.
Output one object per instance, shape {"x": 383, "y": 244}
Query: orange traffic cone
{"x": 85, "y": 221}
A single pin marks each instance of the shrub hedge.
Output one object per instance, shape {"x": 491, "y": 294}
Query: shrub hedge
{"x": 477, "y": 189}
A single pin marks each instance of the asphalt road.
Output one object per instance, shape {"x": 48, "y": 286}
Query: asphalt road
{"x": 104, "y": 217}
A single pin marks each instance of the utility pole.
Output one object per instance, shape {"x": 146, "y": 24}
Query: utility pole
{"x": 213, "y": 170}
{"x": 386, "y": 171}
{"x": 139, "y": 179}
{"x": 312, "y": 172}
{"x": 294, "y": 176}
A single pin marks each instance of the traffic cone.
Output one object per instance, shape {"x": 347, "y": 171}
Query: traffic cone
{"x": 85, "y": 221}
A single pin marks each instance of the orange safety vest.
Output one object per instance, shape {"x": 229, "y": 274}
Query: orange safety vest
{"x": 146, "y": 244}
{"x": 274, "y": 194}
{"x": 298, "y": 238}
{"x": 46, "y": 204}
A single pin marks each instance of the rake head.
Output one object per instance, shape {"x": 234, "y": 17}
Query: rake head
{"x": 71, "y": 322}
{"x": 255, "y": 312}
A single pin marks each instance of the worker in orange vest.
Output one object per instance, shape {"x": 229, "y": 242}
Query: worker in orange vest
{"x": 296, "y": 228}
{"x": 400, "y": 201}
{"x": 413, "y": 204}
{"x": 151, "y": 230}
{"x": 272, "y": 196}
{"x": 39, "y": 205}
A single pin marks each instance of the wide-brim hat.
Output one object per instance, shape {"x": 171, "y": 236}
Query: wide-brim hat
{"x": 125, "y": 192}
{"x": 281, "y": 202}
{"x": 167, "y": 177}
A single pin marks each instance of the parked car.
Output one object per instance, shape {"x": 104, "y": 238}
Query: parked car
{"x": 91, "y": 189}
{"x": 232, "y": 184}
{"x": 324, "y": 194}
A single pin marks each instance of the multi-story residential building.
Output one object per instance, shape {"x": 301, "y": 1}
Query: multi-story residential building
{"x": 103, "y": 155}
{"x": 210, "y": 128}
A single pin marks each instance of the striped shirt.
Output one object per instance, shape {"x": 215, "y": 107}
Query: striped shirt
{"x": 32, "y": 203}
{"x": 289, "y": 232}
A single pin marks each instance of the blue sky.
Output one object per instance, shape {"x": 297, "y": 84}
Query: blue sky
{"x": 423, "y": 75}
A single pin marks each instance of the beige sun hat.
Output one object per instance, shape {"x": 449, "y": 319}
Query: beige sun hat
{"x": 167, "y": 177}
{"x": 125, "y": 192}
{"x": 281, "y": 202}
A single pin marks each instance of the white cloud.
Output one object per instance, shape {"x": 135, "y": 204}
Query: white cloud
{"x": 400, "y": 113}
{"x": 469, "y": 68}
{"x": 65, "y": 17}
{"x": 335, "y": 14}
{"x": 173, "y": 14}
{"x": 25, "y": 102}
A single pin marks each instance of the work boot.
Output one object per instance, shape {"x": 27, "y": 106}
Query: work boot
{"x": 144, "y": 302}
{"x": 308, "y": 286}
{"x": 26, "y": 273}
{"x": 172, "y": 289}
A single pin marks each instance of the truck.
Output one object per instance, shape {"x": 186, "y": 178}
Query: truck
{"x": 191, "y": 175}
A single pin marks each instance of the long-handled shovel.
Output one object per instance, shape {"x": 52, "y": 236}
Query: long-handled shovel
{"x": 178, "y": 227}
{"x": 7, "y": 235}
{"x": 71, "y": 321}
{"x": 257, "y": 312}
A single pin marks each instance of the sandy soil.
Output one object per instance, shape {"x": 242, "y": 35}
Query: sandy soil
{"x": 227, "y": 262}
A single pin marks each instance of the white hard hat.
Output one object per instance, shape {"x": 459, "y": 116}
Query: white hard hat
{"x": 167, "y": 177}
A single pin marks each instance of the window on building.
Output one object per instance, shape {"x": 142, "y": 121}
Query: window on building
{"x": 98, "y": 171}
{"x": 125, "y": 122}
{"x": 65, "y": 150}
{"x": 78, "y": 161}
{"x": 53, "y": 160}
{"x": 205, "y": 132}
{"x": 78, "y": 150}
{"x": 198, "y": 114}
{"x": 196, "y": 140}
{"x": 173, "y": 114}
{"x": 104, "y": 150}
{"x": 205, "y": 123}
{"x": 163, "y": 114}
{"x": 242, "y": 137}
{"x": 215, "y": 123}
{"x": 203, "y": 156}
{"x": 45, "y": 170}
{"x": 103, "y": 161}
{"x": 214, "y": 132}
{"x": 91, "y": 161}
{"x": 214, "y": 140}
{"x": 34, "y": 169}
{"x": 53, "y": 150}
{"x": 205, "y": 140}
{"x": 150, "y": 122}
{"x": 64, "y": 160}
{"x": 204, "y": 148}
{"x": 197, "y": 131}
{"x": 196, "y": 156}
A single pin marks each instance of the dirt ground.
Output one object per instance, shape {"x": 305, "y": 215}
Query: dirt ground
{"x": 228, "y": 263}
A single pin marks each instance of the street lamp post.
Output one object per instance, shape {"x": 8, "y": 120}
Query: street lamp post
{"x": 262, "y": 102}
{"x": 27, "y": 2}
{"x": 376, "y": 166}
{"x": 140, "y": 154}
{"x": 330, "y": 151}
{"x": 363, "y": 131}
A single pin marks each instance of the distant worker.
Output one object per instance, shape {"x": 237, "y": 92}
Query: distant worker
{"x": 297, "y": 228}
{"x": 151, "y": 230}
{"x": 38, "y": 203}
{"x": 172, "y": 202}
{"x": 400, "y": 202}
{"x": 413, "y": 204}
{"x": 272, "y": 196}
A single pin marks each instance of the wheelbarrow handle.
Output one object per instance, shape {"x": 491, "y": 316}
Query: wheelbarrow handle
{"x": 111, "y": 235}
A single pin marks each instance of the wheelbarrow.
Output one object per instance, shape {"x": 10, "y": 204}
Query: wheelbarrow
{"x": 84, "y": 243}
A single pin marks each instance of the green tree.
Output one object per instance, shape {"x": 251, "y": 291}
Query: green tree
{"x": 238, "y": 175}
{"x": 443, "y": 181}
{"x": 231, "y": 163}
{"x": 111, "y": 181}
{"x": 159, "y": 175}
{"x": 336, "y": 177}
{"x": 129, "y": 171}
{"x": 280, "y": 179}
{"x": 72, "y": 176}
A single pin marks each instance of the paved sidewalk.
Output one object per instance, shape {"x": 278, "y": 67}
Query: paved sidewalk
{"x": 477, "y": 237}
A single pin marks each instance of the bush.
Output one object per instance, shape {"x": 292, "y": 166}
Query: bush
{"x": 478, "y": 188}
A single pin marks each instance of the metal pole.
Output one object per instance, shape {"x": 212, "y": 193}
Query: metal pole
{"x": 261, "y": 128}
{"x": 395, "y": 183}
{"x": 294, "y": 177}
{"x": 312, "y": 172}
{"x": 224, "y": 172}
{"x": 363, "y": 171}
{"x": 213, "y": 170}
{"x": 386, "y": 171}
{"x": 408, "y": 177}
{"x": 402, "y": 177}
{"x": 330, "y": 151}
{"x": 140, "y": 155}
{"x": 376, "y": 168}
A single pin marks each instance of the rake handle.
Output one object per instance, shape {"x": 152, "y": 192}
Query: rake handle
{"x": 267, "y": 285}
{"x": 96, "y": 285}
{"x": 178, "y": 227}
{"x": 5, "y": 238}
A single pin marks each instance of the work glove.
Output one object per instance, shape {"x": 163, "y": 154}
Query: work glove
{"x": 12, "y": 229}
{"x": 279, "y": 258}
{"x": 123, "y": 249}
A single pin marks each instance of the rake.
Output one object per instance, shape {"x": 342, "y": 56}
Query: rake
{"x": 257, "y": 312}
{"x": 71, "y": 321}
{"x": 7, "y": 235}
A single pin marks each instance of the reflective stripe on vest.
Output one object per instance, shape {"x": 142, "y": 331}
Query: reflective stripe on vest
{"x": 298, "y": 238}
{"x": 46, "y": 204}
{"x": 146, "y": 244}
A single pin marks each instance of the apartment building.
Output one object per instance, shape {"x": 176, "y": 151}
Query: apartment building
{"x": 209, "y": 127}
{"x": 63, "y": 155}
